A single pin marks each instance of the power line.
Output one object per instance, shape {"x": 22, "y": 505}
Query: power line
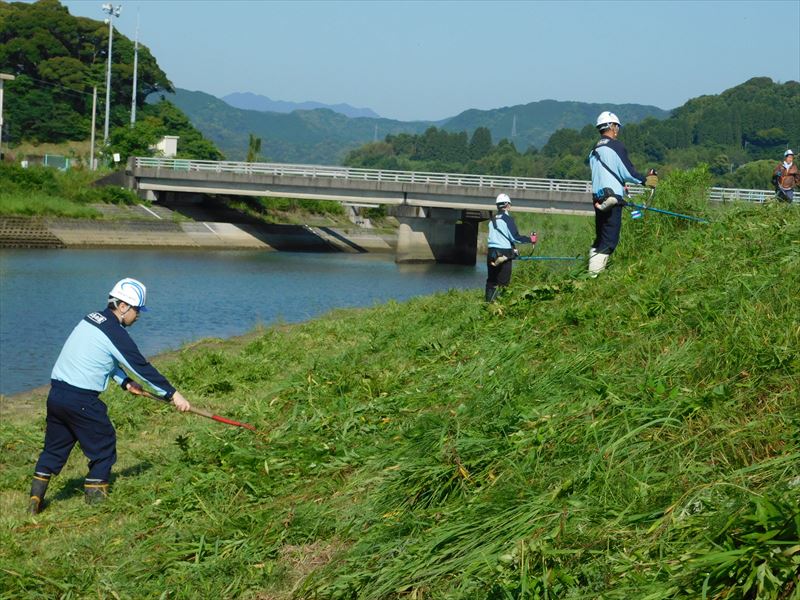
{"x": 56, "y": 85}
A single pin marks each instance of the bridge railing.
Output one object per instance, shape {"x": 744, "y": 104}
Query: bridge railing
{"x": 718, "y": 194}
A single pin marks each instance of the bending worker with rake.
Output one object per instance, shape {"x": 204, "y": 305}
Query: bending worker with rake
{"x": 95, "y": 351}
{"x": 503, "y": 237}
{"x": 611, "y": 169}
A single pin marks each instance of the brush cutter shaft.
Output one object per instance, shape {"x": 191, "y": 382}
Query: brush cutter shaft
{"x": 548, "y": 258}
{"x": 667, "y": 212}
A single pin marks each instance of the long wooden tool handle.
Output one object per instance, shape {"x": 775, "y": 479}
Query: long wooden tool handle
{"x": 203, "y": 413}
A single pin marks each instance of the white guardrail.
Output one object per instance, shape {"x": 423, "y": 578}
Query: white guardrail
{"x": 718, "y": 194}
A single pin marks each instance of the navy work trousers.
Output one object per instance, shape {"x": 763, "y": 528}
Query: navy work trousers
{"x": 76, "y": 415}
{"x": 607, "y": 226}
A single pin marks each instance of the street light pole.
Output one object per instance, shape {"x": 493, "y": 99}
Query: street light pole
{"x": 92, "y": 165}
{"x": 113, "y": 11}
{"x": 3, "y": 78}
{"x": 135, "y": 71}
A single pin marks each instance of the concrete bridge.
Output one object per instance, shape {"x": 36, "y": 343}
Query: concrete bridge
{"x": 438, "y": 213}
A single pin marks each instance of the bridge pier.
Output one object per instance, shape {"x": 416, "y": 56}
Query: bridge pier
{"x": 443, "y": 235}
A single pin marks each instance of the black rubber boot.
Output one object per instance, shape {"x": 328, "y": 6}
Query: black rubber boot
{"x": 38, "y": 489}
{"x": 491, "y": 293}
{"x": 95, "y": 491}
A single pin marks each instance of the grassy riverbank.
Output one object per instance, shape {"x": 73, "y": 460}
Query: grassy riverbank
{"x": 633, "y": 436}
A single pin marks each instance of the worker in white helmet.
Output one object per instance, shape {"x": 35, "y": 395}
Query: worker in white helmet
{"x": 503, "y": 238}
{"x": 786, "y": 177}
{"x": 98, "y": 349}
{"x": 611, "y": 170}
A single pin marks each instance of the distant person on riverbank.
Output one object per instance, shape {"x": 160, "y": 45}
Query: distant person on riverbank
{"x": 95, "y": 351}
{"x": 503, "y": 238}
{"x": 786, "y": 177}
{"x": 611, "y": 169}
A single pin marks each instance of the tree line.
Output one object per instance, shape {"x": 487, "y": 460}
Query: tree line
{"x": 739, "y": 134}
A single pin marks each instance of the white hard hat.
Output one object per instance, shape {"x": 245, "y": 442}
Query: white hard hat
{"x": 131, "y": 292}
{"x": 788, "y": 152}
{"x": 605, "y": 119}
{"x": 502, "y": 199}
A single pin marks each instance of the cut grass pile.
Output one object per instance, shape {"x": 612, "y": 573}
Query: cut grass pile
{"x": 633, "y": 436}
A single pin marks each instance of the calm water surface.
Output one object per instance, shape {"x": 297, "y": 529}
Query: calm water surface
{"x": 191, "y": 295}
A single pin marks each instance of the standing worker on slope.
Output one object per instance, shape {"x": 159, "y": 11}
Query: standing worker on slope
{"x": 611, "y": 169}
{"x": 786, "y": 177}
{"x": 94, "y": 351}
{"x": 503, "y": 237}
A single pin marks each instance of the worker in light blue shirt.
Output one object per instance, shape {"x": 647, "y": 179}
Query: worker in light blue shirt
{"x": 97, "y": 350}
{"x": 611, "y": 170}
{"x": 502, "y": 241}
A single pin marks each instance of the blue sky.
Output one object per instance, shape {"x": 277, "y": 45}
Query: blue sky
{"x": 430, "y": 60}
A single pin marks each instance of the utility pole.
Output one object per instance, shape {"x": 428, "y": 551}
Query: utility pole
{"x": 135, "y": 70}
{"x": 3, "y": 78}
{"x": 92, "y": 166}
{"x": 113, "y": 11}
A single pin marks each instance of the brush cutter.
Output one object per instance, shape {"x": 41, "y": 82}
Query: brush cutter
{"x": 203, "y": 413}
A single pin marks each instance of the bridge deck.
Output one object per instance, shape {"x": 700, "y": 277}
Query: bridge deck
{"x": 379, "y": 187}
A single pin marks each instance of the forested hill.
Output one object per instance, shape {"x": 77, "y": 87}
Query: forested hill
{"x": 325, "y": 136}
{"x": 532, "y": 124}
{"x": 57, "y": 59}
{"x": 741, "y": 134}
{"x": 303, "y": 136}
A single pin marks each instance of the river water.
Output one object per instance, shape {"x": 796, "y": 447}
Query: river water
{"x": 191, "y": 295}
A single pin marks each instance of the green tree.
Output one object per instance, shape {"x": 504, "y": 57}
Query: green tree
{"x": 480, "y": 144}
{"x": 253, "y": 148}
{"x": 58, "y": 59}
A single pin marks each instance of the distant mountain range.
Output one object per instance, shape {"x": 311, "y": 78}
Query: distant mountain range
{"x": 324, "y": 136}
{"x": 251, "y": 101}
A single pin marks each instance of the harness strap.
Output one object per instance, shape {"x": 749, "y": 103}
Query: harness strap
{"x": 511, "y": 241}
{"x": 607, "y": 168}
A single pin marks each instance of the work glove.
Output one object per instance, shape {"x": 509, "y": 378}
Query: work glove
{"x": 516, "y": 252}
{"x": 607, "y": 204}
{"x": 651, "y": 180}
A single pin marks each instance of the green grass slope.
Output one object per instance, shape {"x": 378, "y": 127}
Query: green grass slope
{"x": 633, "y": 436}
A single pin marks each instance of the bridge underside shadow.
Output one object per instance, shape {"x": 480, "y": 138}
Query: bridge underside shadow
{"x": 441, "y": 235}
{"x": 285, "y": 238}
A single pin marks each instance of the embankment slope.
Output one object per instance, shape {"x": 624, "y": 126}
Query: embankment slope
{"x": 633, "y": 436}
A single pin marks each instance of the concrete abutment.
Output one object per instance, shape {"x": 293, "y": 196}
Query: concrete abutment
{"x": 442, "y": 235}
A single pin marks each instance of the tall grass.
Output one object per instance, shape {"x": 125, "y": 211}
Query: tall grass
{"x": 633, "y": 436}
{"x": 42, "y": 191}
{"x": 38, "y": 205}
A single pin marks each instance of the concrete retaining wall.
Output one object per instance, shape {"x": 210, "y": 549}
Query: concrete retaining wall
{"x": 21, "y": 232}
